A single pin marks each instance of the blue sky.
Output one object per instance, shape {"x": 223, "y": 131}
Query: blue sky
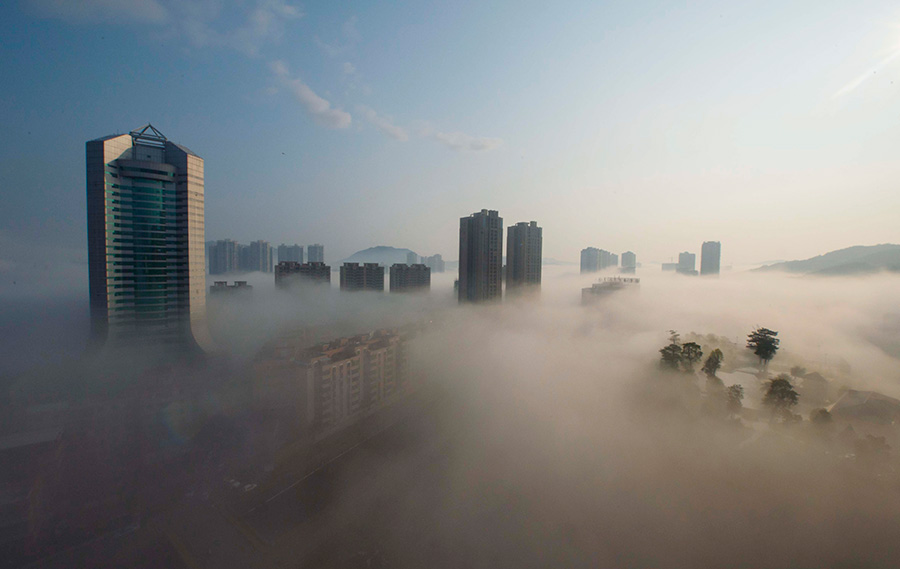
{"x": 644, "y": 126}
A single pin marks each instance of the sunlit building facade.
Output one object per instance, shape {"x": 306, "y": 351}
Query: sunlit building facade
{"x": 146, "y": 251}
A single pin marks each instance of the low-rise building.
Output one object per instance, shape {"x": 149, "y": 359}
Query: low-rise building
{"x": 608, "y": 286}
{"x": 222, "y": 288}
{"x": 334, "y": 383}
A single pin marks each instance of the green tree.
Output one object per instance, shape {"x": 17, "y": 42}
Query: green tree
{"x": 713, "y": 363}
{"x": 780, "y": 396}
{"x": 734, "y": 398}
{"x": 690, "y": 354}
{"x": 674, "y": 337}
{"x": 764, "y": 344}
{"x": 671, "y": 356}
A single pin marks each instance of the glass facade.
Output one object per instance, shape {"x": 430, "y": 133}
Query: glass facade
{"x": 146, "y": 241}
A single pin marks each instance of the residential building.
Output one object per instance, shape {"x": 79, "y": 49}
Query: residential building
{"x": 288, "y": 273}
{"x": 259, "y": 257}
{"x": 223, "y": 257}
{"x": 412, "y": 258}
{"x": 146, "y": 257}
{"x": 333, "y": 384}
{"x": 368, "y": 276}
{"x": 710, "y": 257}
{"x": 629, "y": 262}
{"x": 315, "y": 253}
{"x": 435, "y": 263}
{"x": 290, "y": 253}
{"x": 687, "y": 263}
{"x": 608, "y": 286}
{"x": 590, "y": 260}
{"x": 223, "y": 288}
{"x": 410, "y": 278}
{"x": 480, "y": 256}
{"x": 523, "y": 255}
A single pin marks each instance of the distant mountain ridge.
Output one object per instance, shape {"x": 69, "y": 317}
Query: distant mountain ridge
{"x": 857, "y": 260}
{"x": 381, "y": 254}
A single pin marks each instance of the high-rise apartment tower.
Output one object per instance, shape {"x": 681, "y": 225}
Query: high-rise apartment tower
{"x": 710, "y": 257}
{"x": 315, "y": 253}
{"x": 480, "y": 256}
{"x": 523, "y": 255}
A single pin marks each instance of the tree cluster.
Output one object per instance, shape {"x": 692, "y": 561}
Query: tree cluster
{"x": 780, "y": 397}
{"x": 764, "y": 343}
{"x": 677, "y": 356}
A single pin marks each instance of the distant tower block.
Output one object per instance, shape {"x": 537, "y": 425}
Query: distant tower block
{"x": 710, "y": 258}
{"x": 480, "y": 256}
{"x": 523, "y": 256}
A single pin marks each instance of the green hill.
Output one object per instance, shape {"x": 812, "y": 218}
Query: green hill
{"x": 382, "y": 254}
{"x": 856, "y": 260}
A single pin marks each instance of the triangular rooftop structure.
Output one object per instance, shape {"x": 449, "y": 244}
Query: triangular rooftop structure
{"x": 148, "y": 136}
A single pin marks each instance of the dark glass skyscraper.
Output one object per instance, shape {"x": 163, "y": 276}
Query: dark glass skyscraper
{"x": 480, "y": 256}
{"x": 146, "y": 241}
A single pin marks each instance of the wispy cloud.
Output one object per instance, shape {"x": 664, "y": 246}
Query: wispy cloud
{"x": 318, "y": 108}
{"x": 461, "y": 141}
{"x": 262, "y": 22}
{"x": 384, "y": 124}
{"x": 101, "y": 11}
{"x": 853, "y": 85}
{"x": 240, "y": 25}
{"x": 348, "y": 68}
{"x": 349, "y": 37}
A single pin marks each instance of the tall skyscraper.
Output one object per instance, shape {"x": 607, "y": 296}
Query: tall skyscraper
{"x": 687, "y": 263}
{"x": 223, "y": 257}
{"x": 480, "y": 256}
{"x": 368, "y": 276}
{"x": 590, "y": 260}
{"x": 523, "y": 255}
{"x": 259, "y": 257}
{"x": 145, "y": 203}
{"x": 629, "y": 262}
{"x": 315, "y": 253}
{"x": 292, "y": 253}
{"x": 710, "y": 257}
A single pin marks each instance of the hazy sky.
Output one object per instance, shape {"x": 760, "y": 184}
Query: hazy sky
{"x": 645, "y": 126}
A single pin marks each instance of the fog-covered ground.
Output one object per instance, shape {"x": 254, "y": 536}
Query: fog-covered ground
{"x": 557, "y": 440}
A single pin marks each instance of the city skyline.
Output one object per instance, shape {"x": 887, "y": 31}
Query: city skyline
{"x": 300, "y": 80}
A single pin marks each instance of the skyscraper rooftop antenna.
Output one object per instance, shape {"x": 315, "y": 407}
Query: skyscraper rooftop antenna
{"x": 147, "y": 135}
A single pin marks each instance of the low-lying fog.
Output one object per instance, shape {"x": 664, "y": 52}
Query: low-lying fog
{"x": 565, "y": 445}
{"x": 561, "y": 443}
